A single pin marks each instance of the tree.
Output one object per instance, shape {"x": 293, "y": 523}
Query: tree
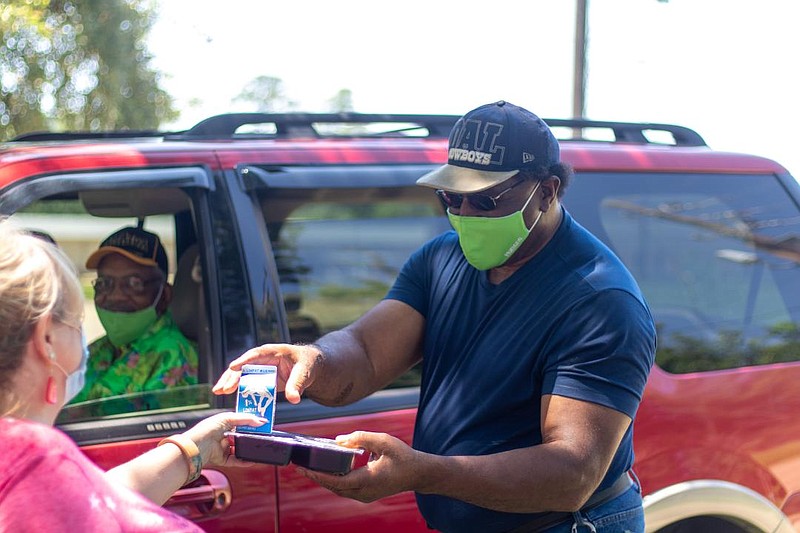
{"x": 266, "y": 94}
{"x": 342, "y": 102}
{"x": 78, "y": 65}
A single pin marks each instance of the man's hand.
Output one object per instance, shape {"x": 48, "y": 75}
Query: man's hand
{"x": 393, "y": 467}
{"x": 297, "y": 368}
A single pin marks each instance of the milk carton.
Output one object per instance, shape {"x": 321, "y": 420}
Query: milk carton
{"x": 257, "y": 396}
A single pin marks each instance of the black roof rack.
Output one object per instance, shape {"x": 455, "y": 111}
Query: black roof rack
{"x": 308, "y": 124}
{"x": 88, "y": 135}
{"x": 292, "y": 125}
{"x": 631, "y": 132}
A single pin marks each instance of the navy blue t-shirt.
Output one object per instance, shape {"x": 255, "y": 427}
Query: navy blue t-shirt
{"x": 570, "y": 322}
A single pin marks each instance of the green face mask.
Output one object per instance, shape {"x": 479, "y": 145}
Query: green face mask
{"x": 123, "y": 328}
{"x": 488, "y": 242}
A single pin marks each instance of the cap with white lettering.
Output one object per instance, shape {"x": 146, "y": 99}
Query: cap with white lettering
{"x": 136, "y": 244}
{"x": 489, "y": 145}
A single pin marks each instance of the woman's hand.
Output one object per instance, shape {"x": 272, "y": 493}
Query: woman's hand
{"x": 158, "y": 473}
{"x": 209, "y": 436}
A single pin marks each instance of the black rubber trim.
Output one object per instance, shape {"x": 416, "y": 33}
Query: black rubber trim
{"x": 145, "y": 426}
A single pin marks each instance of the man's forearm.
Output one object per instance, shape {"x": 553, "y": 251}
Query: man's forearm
{"x": 346, "y": 373}
{"x": 527, "y": 480}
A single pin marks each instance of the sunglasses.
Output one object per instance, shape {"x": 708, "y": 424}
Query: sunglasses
{"x": 129, "y": 285}
{"x": 480, "y": 201}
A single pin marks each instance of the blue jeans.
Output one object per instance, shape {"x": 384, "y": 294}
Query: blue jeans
{"x": 623, "y": 514}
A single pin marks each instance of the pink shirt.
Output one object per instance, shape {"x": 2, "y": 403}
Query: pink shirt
{"x": 48, "y": 484}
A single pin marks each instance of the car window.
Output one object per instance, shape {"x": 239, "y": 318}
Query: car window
{"x": 338, "y": 251}
{"x": 716, "y": 256}
{"x": 78, "y": 233}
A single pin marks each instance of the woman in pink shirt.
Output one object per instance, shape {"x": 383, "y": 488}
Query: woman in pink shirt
{"x": 46, "y": 483}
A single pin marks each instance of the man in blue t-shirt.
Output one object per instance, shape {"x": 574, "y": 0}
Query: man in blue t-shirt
{"x": 536, "y": 345}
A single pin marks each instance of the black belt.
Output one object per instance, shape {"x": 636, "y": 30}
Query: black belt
{"x": 548, "y": 520}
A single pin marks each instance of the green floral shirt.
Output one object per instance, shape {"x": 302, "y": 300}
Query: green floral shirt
{"x": 160, "y": 358}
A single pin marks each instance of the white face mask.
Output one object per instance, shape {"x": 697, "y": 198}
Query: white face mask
{"x": 77, "y": 379}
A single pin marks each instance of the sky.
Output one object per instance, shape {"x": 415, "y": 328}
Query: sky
{"x": 728, "y": 69}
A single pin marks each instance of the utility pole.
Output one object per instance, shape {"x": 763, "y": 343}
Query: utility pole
{"x": 579, "y": 76}
{"x": 579, "y": 71}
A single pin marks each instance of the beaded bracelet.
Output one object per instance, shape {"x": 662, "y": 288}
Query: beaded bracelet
{"x": 190, "y": 451}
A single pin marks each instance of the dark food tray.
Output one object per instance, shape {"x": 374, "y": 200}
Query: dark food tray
{"x": 279, "y": 448}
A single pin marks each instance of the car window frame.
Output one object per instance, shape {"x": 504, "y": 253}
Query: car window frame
{"x": 195, "y": 181}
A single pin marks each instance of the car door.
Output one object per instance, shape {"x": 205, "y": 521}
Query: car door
{"x": 717, "y": 258}
{"x": 78, "y": 210}
{"x": 337, "y": 236}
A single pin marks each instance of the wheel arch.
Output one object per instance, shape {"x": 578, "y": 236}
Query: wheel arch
{"x": 716, "y": 498}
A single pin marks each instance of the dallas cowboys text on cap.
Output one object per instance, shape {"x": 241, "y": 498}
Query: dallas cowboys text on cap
{"x": 500, "y": 137}
{"x": 490, "y": 144}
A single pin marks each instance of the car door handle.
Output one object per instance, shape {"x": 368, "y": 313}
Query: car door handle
{"x": 208, "y": 495}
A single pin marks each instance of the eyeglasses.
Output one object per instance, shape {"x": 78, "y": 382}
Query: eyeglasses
{"x": 78, "y": 327}
{"x": 480, "y": 201}
{"x": 129, "y": 285}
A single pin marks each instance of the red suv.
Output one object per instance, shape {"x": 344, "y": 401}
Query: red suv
{"x": 281, "y": 228}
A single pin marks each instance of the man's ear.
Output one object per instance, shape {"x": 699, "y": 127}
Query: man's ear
{"x": 42, "y": 338}
{"x": 550, "y": 188}
{"x": 165, "y": 300}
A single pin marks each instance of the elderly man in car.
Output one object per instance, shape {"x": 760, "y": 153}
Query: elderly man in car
{"x": 143, "y": 349}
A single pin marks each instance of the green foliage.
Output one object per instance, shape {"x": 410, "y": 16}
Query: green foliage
{"x": 266, "y": 95}
{"x": 72, "y": 207}
{"x": 370, "y": 289}
{"x": 340, "y": 211}
{"x": 78, "y": 65}
{"x": 342, "y": 102}
{"x": 684, "y": 354}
